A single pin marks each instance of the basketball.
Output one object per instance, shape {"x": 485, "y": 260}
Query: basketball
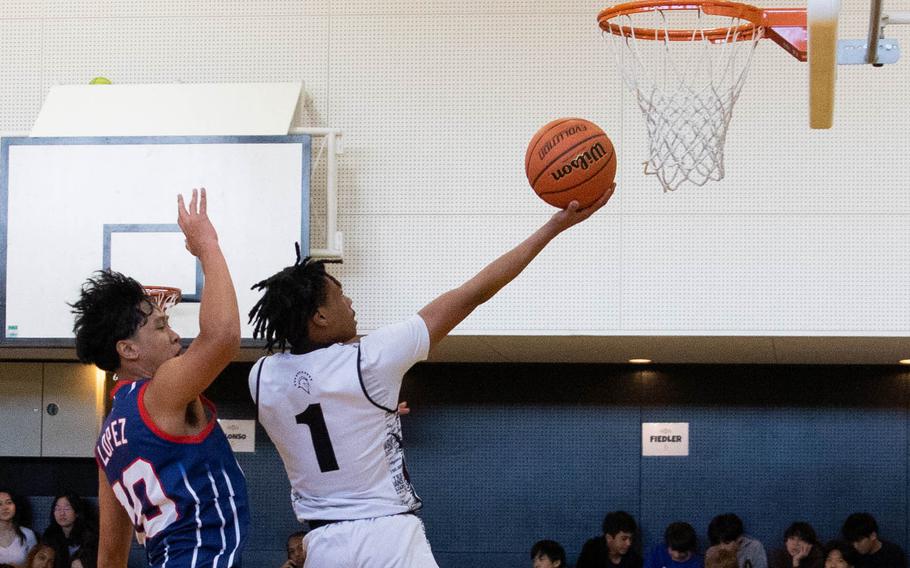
{"x": 570, "y": 159}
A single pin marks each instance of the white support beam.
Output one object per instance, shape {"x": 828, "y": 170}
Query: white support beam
{"x": 334, "y": 248}
{"x": 896, "y": 18}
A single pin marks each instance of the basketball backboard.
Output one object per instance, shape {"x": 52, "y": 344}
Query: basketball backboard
{"x": 70, "y": 206}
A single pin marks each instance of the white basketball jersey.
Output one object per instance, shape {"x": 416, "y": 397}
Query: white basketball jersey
{"x": 332, "y": 415}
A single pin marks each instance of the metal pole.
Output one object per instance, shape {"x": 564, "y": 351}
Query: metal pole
{"x": 334, "y": 238}
{"x": 875, "y": 23}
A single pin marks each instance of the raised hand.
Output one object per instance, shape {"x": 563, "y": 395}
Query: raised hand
{"x": 572, "y": 215}
{"x": 194, "y": 222}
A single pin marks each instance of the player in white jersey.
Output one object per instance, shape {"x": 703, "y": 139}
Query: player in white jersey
{"x": 329, "y": 405}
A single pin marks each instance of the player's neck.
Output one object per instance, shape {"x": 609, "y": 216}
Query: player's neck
{"x": 124, "y": 377}
{"x": 132, "y": 372}
{"x": 307, "y": 347}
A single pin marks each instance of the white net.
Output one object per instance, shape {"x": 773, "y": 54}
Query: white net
{"x": 686, "y": 87}
{"x": 164, "y": 297}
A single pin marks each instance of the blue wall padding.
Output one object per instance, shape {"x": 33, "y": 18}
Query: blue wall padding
{"x": 504, "y": 455}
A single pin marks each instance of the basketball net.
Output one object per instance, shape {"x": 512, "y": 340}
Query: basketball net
{"x": 164, "y": 297}
{"x": 685, "y": 86}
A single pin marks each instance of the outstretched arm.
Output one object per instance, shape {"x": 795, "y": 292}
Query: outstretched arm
{"x": 445, "y": 312}
{"x": 115, "y": 528}
{"x": 180, "y": 380}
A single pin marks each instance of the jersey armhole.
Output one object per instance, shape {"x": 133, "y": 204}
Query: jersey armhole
{"x": 363, "y": 387}
{"x": 258, "y": 380}
{"x": 190, "y": 439}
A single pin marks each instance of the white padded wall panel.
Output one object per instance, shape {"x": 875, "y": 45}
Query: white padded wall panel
{"x": 20, "y": 85}
{"x": 189, "y": 50}
{"x": 183, "y": 8}
{"x": 438, "y": 111}
{"x": 685, "y": 274}
{"x": 437, "y": 101}
{"x": 516, "y": 8}
{"x": 22, "y": 9}
{"x": 766, "y": 274}
{"x": 396, "y": 264}
{"x": 846, "y": 275}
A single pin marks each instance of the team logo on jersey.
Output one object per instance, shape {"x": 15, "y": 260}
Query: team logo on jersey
{"x": 302, "y": 381}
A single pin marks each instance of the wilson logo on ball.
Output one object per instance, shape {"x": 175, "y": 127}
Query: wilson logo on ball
{"x": 582, "y": 161}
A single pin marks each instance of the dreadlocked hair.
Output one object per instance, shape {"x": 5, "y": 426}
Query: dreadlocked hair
{"x": 290, "y": 298}
{"x": 111, "y": 307}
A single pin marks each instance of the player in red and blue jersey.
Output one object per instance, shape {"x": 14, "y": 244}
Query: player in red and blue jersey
{"x": 166, "y": 468}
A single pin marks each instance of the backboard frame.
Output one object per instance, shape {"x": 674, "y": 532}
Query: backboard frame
{"x": 294, "y": 145}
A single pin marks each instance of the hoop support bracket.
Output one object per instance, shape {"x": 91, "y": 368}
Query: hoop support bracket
{"x": 855, "y": 52}
{"x": 334, "y": 248}
{"x": 787, "y": 28}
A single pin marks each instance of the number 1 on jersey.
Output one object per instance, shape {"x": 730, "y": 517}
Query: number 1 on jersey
{"x": 325, "y": 453}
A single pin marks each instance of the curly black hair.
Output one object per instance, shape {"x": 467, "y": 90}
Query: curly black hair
{"x": 111, "y": 307}
{"x": 289, "y": 300}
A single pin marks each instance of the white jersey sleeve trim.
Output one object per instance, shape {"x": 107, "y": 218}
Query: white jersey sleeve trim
{"x": 363, "y": 387}
{"x": 387, "y": 354}
{"x": 253, "y": 380}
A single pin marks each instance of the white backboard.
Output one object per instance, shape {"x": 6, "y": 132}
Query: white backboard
{"x": 71, "y": 206}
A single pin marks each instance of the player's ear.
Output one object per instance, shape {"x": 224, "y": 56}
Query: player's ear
{"x": 320, "y": 318}
{"x": 127, "y": 349}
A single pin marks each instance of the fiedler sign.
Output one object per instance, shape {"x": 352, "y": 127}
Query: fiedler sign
{"x": 665, "y": 439}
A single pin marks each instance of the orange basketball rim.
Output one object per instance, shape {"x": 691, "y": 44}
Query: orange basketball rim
{"x": 785, "y": 26}
{"x": 687, "y": 61}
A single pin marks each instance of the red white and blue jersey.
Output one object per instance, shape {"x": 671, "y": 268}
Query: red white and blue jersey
{"x": 186, "y": 495}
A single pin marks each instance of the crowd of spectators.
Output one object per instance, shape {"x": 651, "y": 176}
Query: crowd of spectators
{"x": 858, "y": 546}
{"x": 70, "y": 540}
